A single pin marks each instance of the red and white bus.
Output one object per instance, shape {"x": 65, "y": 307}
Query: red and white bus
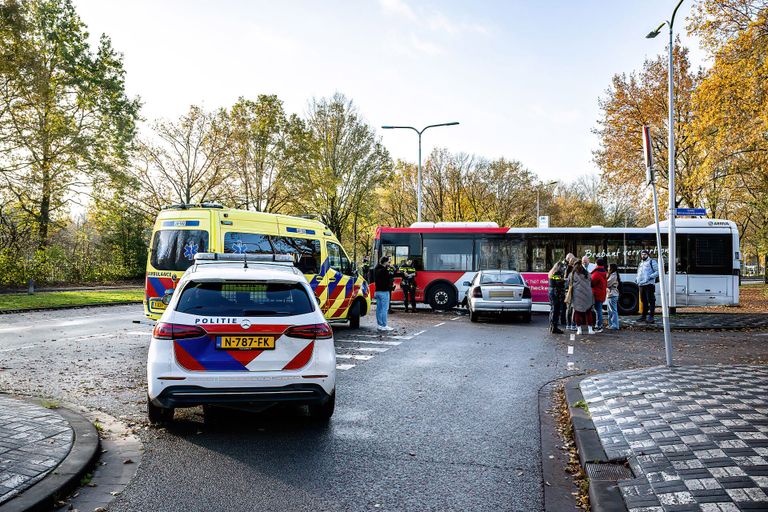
{"x": 446, "y": 255}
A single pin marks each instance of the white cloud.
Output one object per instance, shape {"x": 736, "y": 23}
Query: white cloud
{"x": 398, "y": 7}
{"x": 438, "y": 22}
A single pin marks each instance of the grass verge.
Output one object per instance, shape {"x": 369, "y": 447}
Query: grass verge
{"x": 22, "y": 301}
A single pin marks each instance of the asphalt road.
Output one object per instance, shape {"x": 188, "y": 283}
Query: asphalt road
{"x": 442, "y": 415}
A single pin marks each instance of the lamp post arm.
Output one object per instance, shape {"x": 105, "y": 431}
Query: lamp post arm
{"x": 672, "y": 21}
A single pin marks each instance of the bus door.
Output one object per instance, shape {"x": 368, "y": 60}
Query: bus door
{"x": 172, "y": 251}
{"x": 339, "y": 282}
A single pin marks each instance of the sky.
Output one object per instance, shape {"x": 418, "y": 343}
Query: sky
{"x": 522, "y": 78}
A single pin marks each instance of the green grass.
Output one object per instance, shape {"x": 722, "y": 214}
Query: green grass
{"x": 50, "y": 404}
{"x": 22, "y": 301}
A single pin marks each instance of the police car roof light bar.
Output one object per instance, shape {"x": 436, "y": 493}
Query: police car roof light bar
{"x": 202, "y": 257}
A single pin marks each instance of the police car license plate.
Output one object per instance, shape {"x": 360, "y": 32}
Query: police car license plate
{"x": 245, "y": 342}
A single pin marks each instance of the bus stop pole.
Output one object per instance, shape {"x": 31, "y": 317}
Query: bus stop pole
{"x": 662, "y": 281}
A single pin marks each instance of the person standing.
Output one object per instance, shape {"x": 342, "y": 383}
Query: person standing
{"x": 582, "y": 299}
{"x": 567, "y": 319}
{"x": 614, "y": 282}
{"x": 599, "y": 290}
{"x": 556, "y": 295}
{"x": 408, "y": 284}
{"x": 366, "y": 269}
{"x": 647, "y": 273}
{"x": 383, "y": 282}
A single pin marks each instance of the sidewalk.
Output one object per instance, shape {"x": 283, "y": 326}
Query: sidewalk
{"x": 695, "y": 437}
{"x": 702, "y": 321}
{"x": 35, "y": 441}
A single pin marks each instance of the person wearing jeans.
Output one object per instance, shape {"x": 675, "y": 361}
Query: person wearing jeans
{"x": 647, "y": 272}
{"x": 614, "y": 281}
{"x": 383, "y": 283}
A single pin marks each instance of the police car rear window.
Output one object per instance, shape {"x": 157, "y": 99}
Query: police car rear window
{"x": 175, "y": 249}
{"x": 245, "y": 299}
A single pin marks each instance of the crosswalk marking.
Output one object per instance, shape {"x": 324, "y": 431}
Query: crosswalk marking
{"x": 353, "y": 356}
{"x": 345, "y": 366}
{"x": 369, "y": 349}
{"x": 455, "y": 318}
{"x": 441, "y": 323}
{"x": 372, "y": 342}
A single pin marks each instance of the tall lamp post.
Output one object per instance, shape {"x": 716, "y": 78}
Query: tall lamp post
{"x": 538, "y": 191}
{"x": 418, "y": 185}
{"x": 672, "y": 239}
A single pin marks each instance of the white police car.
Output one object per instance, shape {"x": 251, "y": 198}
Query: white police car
{"x": 239, "y": 330}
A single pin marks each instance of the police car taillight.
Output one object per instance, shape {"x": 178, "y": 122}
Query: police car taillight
{"x": 526, "y": 293}
{"x": 477, "y": 292}
{"x": 166, "y": 331}
{"x": 312, "y": 331}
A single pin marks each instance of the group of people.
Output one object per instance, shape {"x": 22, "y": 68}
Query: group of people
{"x": 384, "y": 274}
{"x": 578, "y": 290}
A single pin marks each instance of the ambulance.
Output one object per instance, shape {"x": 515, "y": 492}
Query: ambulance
{"x": 181, "y": 231}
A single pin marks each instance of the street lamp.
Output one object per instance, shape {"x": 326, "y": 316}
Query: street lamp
{"x": 671, "y": 161}
{"x": 538, "y": 190}
{"x": 418, "y": 185}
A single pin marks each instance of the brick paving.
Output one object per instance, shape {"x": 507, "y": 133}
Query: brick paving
{"x": 696, "y": 321}
{"x": 696, "y": 437}
{"x": 33, "y": 441}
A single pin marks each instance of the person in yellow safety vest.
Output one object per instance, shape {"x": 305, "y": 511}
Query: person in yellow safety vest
{"x": 408, "y": 284}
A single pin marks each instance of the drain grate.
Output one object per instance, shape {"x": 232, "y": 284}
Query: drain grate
{"x": 608, "y": 472}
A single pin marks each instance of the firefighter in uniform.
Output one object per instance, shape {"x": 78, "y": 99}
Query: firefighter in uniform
{"x": 556, "y": 295}
{"x": 408, "y": 284}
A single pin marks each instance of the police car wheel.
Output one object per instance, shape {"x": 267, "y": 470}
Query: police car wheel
{"x": 442, "y": 297}
{"x": 324, "y": 411}
{"x": 159, "y": 415}
{"x": 354, "y": 315}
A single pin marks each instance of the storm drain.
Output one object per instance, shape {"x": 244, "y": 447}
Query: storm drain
{"x": 608, "y": 472}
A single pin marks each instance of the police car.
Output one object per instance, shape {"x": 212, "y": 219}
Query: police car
{"x": 239, "y": 330}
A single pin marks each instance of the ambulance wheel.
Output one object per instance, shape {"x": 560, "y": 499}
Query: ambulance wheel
{"x": 442, "y": 297}
{"x": 473, "y": 316}
{"x": 354, "y": 315}
{"x": 323, "y": 412}
{"x": 159, "y": 415}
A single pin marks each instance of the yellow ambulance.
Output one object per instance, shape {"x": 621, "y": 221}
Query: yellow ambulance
{"x": 181, "y": 231}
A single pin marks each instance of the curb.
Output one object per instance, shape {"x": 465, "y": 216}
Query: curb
{"x": 67, "y": 475}
{"x": 604, "y": 495}
{"x": 79, "y": 306}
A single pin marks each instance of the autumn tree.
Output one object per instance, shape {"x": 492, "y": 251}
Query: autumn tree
{"x": 182, "y": 161}
{"x": 65, "y": 120}
{"x": 264, "y": 152}
{"x": 347, "y": 163}
{"x": 641, "y": 98}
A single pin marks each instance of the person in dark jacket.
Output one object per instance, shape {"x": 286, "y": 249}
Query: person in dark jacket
{"x": 383, "y": 282}
{"x": 408, "y": 284}
{"x": 599, "y": 290}
{"x": 557, "y": 295}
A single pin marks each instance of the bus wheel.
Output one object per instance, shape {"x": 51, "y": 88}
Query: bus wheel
{"x": 442, "y": 297}
{"x": 629, "y": 299}
{"x": 354, "y": 315}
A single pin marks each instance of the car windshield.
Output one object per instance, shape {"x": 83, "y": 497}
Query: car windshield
{"x": 501, "y": 278}
{"x": 244, "y": 299}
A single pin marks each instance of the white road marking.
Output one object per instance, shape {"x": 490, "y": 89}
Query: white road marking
{"x": 344, "y": 366}
{"x": 19, "y": 347}
{"x": 573, "y": 337}
{"x": 138, "y": 333}
{"x": 441, "y": 323}
{"x": 372, "y": 342}
{"x": 353, "y": 356}
{"x": 368, "y": 335}
{"x": 455, "y": 318}
{"x": 417, "y": 333}
{"x": 369, "y": 349}
{"x": 401, "y": 337}
{"x": 570, "y": 350}
{"x": 571, "y": 365}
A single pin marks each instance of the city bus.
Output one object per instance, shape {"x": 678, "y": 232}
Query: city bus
{"x": 181, "y": 231}
{"x": 446, "y": 255}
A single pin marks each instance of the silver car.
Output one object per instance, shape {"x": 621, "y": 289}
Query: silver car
{"x": 497, "y": 292}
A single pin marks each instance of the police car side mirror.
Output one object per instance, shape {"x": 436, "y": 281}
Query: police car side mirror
{"x": 466, "y": 283}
